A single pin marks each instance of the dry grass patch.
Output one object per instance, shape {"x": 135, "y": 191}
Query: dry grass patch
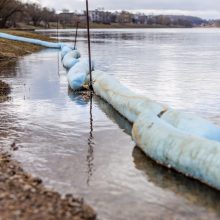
{"x": 13, "y": 49}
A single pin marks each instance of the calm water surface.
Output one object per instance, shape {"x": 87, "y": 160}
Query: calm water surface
{"x": 79, "y": 144}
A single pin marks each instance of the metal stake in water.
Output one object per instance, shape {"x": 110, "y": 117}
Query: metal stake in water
{"x": 58, "y": 56}
{"x": 57, "y": 28}
{"x": 89, "y": 47}
{"x": 77, "y": 26}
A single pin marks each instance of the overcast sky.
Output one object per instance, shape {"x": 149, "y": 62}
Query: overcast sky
{"x": 202, "y": 8}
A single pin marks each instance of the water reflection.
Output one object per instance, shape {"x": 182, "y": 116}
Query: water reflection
{"x": 97, "y": 34}
{"x": 7, "y": 68}
{"x": 80, "y": 98}
{"x": 192, "y": 190}
{"x": 83, "y": 99}
{"x": 112, "y": 114}
{"x": 58, "y": 63}
{"x": 90, "y": 156}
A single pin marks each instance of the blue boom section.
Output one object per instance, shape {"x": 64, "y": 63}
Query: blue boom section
{"x": 184, "y": 142}
{"x": 77, "y": 68}
{"x": 32, "y": 41}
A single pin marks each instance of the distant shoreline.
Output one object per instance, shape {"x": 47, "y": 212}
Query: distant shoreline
{"x": 53, "y": 25}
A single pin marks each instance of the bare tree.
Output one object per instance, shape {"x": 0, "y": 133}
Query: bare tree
{"x": 7, "y": 9}
{"x": 48, "y": 15}
{"x": 34, "y": 11}
{"x": 3, "y": 3}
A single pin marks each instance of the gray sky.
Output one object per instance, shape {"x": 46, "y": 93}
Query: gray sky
{"x": 202, "y": 8}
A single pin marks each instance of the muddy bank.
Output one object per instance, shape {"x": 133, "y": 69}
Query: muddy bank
{"x": 24, "y": 197}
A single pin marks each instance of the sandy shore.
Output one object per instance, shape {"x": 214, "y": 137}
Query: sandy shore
{"x": 23, "y": 196}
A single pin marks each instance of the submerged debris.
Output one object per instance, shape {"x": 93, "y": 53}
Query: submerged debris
{"x": 4, "y": 91}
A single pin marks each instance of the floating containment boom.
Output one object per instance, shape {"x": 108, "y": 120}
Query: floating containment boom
{"x": 32, "y": 41}
{"x": 191, "y": 155}
{"x": 181, "y": 141}
{"x": 187, "y": 143}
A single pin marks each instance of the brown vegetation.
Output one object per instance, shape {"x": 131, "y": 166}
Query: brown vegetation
{"x": 9, "y": 8}
{"x": 13, "y": 50}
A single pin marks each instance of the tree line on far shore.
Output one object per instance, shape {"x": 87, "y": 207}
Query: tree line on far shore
{"x": 14, "y": 12}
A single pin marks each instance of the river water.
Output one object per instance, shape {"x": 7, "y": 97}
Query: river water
{"x": 79, "y": 144}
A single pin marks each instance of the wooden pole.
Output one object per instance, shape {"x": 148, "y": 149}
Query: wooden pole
{"x": 89, "y": 46}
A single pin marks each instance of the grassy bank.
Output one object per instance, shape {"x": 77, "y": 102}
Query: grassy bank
{"x": 23, "y": 196}
{"x": 12, "y": 50}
